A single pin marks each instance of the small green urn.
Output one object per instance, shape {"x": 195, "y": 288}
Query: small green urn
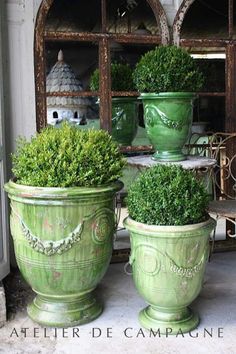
{"x": 168, "y": 122}
{"x": 124, "y": 120}
{"x": 168, "y": 265}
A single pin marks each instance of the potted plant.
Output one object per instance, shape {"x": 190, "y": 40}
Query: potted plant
{"x": 62, "y": 219}
{"x": 169, "y": 229}
{"x": 124, "y": 109}
{"x": 167, "y": 78}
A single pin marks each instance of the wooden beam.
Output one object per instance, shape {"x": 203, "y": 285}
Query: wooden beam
{"x": 96, "y": 37}
{"x": 230, "y": 120}
{"x": 207, "y": 42}
{"x": 231, "y": 18}
{"x": 105, "y": 84}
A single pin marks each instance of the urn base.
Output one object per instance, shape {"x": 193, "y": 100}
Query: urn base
{"x": 178, "y": 321}
{"x": 68, "y": 312}
{"x": 169, "y": 156}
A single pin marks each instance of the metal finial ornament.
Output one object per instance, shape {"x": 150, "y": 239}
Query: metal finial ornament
{"x": 60, "y": 55}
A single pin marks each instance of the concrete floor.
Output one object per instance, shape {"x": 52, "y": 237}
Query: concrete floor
{"x": 216, "y": 306}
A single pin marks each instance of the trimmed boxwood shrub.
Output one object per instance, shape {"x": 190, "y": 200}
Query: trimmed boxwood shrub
{"x": 167, "y": 195}
{"x": 67, "y": 157}
{"x": 121, "y": 78}
{"x": 167, "y": 69}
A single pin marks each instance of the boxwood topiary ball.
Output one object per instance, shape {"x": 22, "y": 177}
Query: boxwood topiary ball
{"x": 167, "y": 195}
{"x": 167, "y": 69}
{"x": 67, "y": 157}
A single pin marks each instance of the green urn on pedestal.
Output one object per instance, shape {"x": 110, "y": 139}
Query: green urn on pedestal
{"x": 167, "y": 78}
{"x": 63, "y": 220}
{"x": 169, "y": 230}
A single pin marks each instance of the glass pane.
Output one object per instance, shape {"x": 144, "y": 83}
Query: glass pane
{"x": 206, "y": 19}
{"x": 68, "y": 68}
{"x": 131, "y": 16}
{"x": 211, "y": 111}
{"x": 76, "y": 15}
{"x": 128, "y": 53}
{"x": 213, "y": 69}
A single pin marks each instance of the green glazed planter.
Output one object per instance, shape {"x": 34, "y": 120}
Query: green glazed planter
{"x": 63, "y": 240}
{"x": 124, "y": 120}
{"x": 168, "y": 121}
{"x": 168, "y": 265}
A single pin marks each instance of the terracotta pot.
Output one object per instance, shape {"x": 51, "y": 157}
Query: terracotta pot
{"x": 63, "y": 240}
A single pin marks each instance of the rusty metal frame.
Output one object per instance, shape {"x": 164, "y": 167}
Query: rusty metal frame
{"x": 87, "y": 36}
{"x": 230, "y": 47}
{"x": 230, "y": 121}
{"x": 215, "y": 42}
{"x": 103, "y": 39}
{"x": 230, "y": 69}
{"x": 39, "y": 64}
{"x": 231, "y": 18}
{"x": 179, "y": 18}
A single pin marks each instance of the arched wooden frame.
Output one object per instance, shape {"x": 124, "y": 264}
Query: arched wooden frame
{"x": 104, "y": 57}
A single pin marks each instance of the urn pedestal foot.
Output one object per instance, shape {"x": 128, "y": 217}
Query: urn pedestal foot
{"x": 67, "y": 312}
{"x": 169, "y": 156}
{"x": 183, "y": 320}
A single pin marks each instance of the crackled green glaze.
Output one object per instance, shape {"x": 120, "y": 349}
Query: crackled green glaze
{"x": 168, "y": 121}
{"x": 124, "y": 120}
{"x": 168, "y": 265}
{"x": 63, "y": 245}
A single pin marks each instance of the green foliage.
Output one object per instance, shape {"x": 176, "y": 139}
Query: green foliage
{"x": 167, "y": 69}
{"x": 167, "y": 195}
{"x": 121, "y": 78}
{"x": 67, "y": 157}
{"x": 94, "y": 80}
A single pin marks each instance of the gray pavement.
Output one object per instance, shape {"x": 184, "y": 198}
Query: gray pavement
{"x": 117, "y": 330}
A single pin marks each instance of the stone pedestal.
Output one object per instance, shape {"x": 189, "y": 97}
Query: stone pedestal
{"x": 191, "y": 162}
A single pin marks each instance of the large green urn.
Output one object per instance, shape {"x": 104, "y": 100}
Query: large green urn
{"x": 63, "y": 240}
{"x": 168, "y": 265}
{"x": 124, "y": 119}
{"x": 168, "y": 121}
